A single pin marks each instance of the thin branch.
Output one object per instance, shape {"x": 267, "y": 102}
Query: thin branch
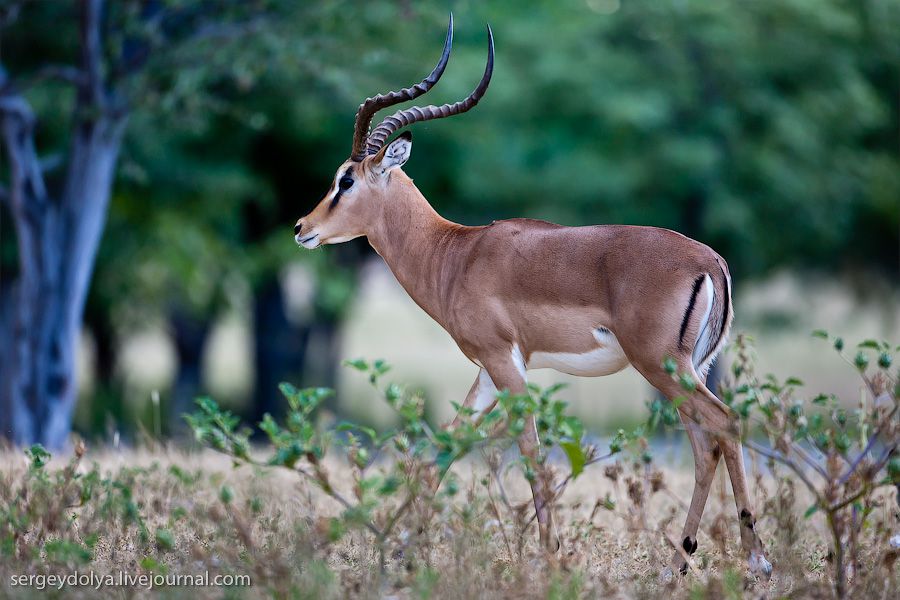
{"x": 396, "y": 516}
{"x": 868, "y": 448}
{"x": 26, "y": 174}
{"x": 92, "y": 52}
{"x": 562, "y": 485}
{"x": 777, "y": 456}
{"x": 227, "y": 31}
{"x": 167, "y": 48}
{"x": 494, "y": 508}
{"x": 61, "y": 73}
{"x": 332, "y": 493}
{"x": 809, "y": 460}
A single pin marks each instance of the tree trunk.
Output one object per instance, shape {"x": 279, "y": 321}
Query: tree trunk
{"x": 323, "y": 363}
{"x": 7, "y": 303}
{"x": 107, "y": 412}
{"x": 190, "y": 334}
{"x": 279, "y": 350}
{"x": 57, "y": 242}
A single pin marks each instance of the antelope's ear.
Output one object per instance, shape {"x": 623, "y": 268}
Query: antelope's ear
{"x": 394, "y": 154}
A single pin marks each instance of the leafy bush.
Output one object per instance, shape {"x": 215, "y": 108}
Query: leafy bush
{"x": 396, "y": 474}
{"x": 347, "y": 511}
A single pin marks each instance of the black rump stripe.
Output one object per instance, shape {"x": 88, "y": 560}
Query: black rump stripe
{"x": 690, "y": 309}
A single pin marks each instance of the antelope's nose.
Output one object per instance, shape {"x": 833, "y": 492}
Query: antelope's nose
{"x": 298, "y": 228}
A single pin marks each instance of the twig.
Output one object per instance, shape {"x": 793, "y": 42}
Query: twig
{"x": 561, "y": 486}
{"x": 809, "y": 460}
{"x": 788, "y": 463}
{"x": 92, "y": 52}
{"x": 868, "y": 448}
{"x": 396, "y": 516}
{"x": 62, "y": 73}
{"x": 499, "y": 518}
{"x": 557, "y": 491}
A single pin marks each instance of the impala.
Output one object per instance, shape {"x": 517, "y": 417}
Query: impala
{"x": 524, "y": 294}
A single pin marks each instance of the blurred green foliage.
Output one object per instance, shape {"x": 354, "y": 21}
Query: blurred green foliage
{"x": 767, "y": 129}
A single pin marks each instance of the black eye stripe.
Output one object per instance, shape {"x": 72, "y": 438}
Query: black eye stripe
{"x": 341, "y": 188}
{"x": 334, "y": 200}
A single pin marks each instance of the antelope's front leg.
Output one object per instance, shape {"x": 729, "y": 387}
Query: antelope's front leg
{"x": 505, "y": 374}
{"x": 481, "y": 397}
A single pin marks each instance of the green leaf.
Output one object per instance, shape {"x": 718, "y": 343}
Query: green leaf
{"x": 893, "y": 470}
{"x": 288, "y": 390}
{"x": 820, "y": 333}
{"x": 687, "y": 382}
{"x": 38, "y": 456}
{"x": 393, "y": 394}
{"x": 576, "y": 456}
{"x": 793, "y": 381}
{"x": 270, "y": 427}
{"x": 390, "y": 485}
{"x": 148, "y": 563}
{"x": 451, "y": 486}
{"x": 821, "y": 399}
{"x": 347, "y": 426}
{"x": 358, "y": 364}
{"x": 810, "y": 511}
{"x": 226, "y": 494}
{"x": 381, "y": 367}
{"x": 670, "y": 365}
{"x": 869, "y": 344}
{"x": 336, "y": 529}
{"x": 164, "y": 539}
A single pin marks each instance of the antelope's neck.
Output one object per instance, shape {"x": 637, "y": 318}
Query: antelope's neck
{"x": 416, "y": 243}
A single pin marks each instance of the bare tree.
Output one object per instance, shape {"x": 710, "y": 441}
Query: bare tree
{"x": 58, "y": 230}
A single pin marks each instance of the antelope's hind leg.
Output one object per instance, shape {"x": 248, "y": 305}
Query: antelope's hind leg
{"x": 714, "y": 422}
{"x": 706, "y": 458}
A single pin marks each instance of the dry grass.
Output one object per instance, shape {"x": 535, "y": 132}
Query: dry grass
{"x": 275, "y": 528}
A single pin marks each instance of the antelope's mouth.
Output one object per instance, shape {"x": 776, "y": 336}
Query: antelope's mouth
{"x": 309, "y": 242}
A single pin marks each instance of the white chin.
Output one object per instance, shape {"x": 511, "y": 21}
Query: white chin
{"x": 310, "y": 244}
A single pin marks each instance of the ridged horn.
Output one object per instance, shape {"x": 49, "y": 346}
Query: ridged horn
{"x": 372, "y": 105}
{"x": 417, "y": 114}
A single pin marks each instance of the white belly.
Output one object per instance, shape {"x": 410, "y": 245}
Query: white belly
{"x": 607, "y": 358}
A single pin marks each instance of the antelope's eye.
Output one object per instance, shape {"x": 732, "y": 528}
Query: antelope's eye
{"x": 345, "y": 183}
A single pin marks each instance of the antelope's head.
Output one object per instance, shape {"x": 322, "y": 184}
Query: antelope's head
{"x": 363, "y": 183}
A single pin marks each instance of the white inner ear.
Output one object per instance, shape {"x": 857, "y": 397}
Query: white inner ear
{"x": 397, "y": 154}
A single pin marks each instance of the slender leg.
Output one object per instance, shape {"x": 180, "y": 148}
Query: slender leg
{"x": 733, "y": 453}
{"x": 505, "y": 374}
{"x": 716, "y": 422}
{"x": 480, "y": 397}
{"x": 706, "y": 458}
{"x": 752, "y": 545}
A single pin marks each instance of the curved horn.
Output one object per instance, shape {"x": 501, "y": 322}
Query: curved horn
{"x": 416, "y": 114}
{"x": 372, "y": 105}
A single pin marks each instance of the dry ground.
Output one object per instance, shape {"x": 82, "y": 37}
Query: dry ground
{"x": 274, "y": 528}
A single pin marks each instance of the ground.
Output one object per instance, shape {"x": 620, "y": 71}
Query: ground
{"x": 201, "y": 514}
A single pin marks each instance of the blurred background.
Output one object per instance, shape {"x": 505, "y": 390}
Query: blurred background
{"x": 148, "y": 200}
